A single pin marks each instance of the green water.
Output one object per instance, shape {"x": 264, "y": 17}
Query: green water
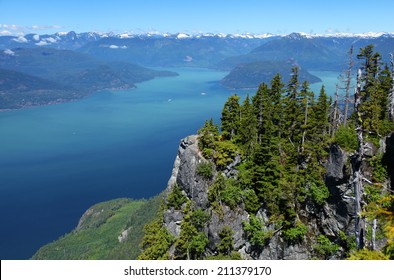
{"x": 57, "y": 160}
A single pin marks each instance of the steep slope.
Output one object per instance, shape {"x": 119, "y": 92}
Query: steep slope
{"x": 107, "y": 230}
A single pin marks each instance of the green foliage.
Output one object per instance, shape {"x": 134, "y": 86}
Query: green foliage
{"x": 366, "y": 254}
{"x": 176, "y": 198}
{"x": 295, "y": 234}
{"x": 247, "y": 135}
{"x": 156, "y": 241}
{"x": 192, "y": 241}
{"x": 226, "y": 244}
{"x": 346, "y": 138}
{"x": 230, "y": 118}
{"x": 224, "y": 154}
{"x": 379, "y": 173}
{"x": 205, "y": 170}
{"x": 97, "y": 236}
{"x": 224, "y": 191}
{"x": 377, "y": 84}
{"x": 255, "y": 232}
{"x": 251, "y": 200}
{"x": 207, "y": 137}
{"x": 319, "y": 193}
{"x": 324, "y": 247}
{"x": 199, "y": 218}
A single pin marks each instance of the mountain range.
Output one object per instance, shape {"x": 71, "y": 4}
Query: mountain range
{"x": 91, "y": 61}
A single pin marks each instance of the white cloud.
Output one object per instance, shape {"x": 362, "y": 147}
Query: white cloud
{"x": 44, "y": 27}
{"x": 20, "y": 39}
{"x": 36, "y": 37}
{"x": 19, "y": 30}
{"x": 5, "y": 32}
{"x": 9, "y": 52}
{"x": 11, "y": 26}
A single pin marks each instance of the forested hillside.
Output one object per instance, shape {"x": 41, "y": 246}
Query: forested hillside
{"x": 285, "y": 177}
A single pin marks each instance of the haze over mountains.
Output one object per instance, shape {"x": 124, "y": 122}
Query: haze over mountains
{"x": 74, "y": 65}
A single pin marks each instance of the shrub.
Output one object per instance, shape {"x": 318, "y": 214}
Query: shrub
{"x": 319, "y": 193}
{"x": 176, "y": 198}
{"x": 205, "y": 170}
{"x": 325, "y": 248}
{"x": 366, "y": 254}
{"x": 346, "y": 137}
{"x": 225, "y": 153}
{"x": 255, "y": 232}
{"x": 295, "y": 234}
{"x": 226, "y": 244}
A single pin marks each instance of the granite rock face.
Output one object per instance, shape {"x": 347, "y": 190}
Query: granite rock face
{"x": 332, "y": 219}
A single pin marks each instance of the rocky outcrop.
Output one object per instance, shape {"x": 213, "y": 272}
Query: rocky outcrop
{"x": 184, "y": 172}
{"x": 333, "y": 219}
{"x": 388, "y": 157}
{"x": 337, "y": 214}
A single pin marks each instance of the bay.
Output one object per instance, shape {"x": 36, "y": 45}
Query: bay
{"x": 58, "y": 160}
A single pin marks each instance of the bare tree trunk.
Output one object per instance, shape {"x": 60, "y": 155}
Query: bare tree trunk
{"x": 305, "y": 123}
{"x": 390, "y": 102}
{"x": 347, "y": 88}
{"x": 374, "y": 226}
{"x": 357, "y": 169}
{"x": 336, "y": 119}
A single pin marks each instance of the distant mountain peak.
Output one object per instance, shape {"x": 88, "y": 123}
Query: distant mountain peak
{"x": 295, "y": 36}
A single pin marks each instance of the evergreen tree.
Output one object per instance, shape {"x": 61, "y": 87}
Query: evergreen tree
{"x": 226, "y": 244}
{"x": 192, "y": 242}
{"x": 156, "y": 241}
{"x": 208, "y": 134}
{"x": 276, "y": 95}
{"x": 230, "y": 118}
{"x": 247, "y": 135}
{"x": 307, "y": 98}
{"x": 319, "y": 118}
{"x": 373, "y": 98}
{"x": 291, "y": 131}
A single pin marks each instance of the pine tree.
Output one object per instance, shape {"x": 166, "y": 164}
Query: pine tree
{"x": 226, "y": 244}
{"x": 291, "y": 103}
{"x": 208, "y": 134}
{"x": 230, "y": 118}
{"x": 157, "y": 240}
{"x": 276, "y": 96}
{"x": 247, "y": 135}
{"x": 371, "y": 97}
{"x": 191, "y": 243}
{"x": 320, "y": 117}
{"x": 307, "y": 98}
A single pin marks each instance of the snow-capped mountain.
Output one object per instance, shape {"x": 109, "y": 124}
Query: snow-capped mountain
{"x": 206, "y": 49}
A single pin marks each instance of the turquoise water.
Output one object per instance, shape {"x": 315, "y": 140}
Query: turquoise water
{"x": 58, "y": 160}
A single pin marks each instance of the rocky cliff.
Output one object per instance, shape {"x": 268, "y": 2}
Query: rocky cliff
{"x": 334, "y": 220}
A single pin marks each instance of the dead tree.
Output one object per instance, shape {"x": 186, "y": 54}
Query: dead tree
{"x": 347, "y": 89}
{"x": 390, "y": 103}
{"x": 357, "y": 166}
{"x": 335, "y": 114}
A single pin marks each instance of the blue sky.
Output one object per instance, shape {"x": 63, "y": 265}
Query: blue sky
{"x": 218, "y": 16}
